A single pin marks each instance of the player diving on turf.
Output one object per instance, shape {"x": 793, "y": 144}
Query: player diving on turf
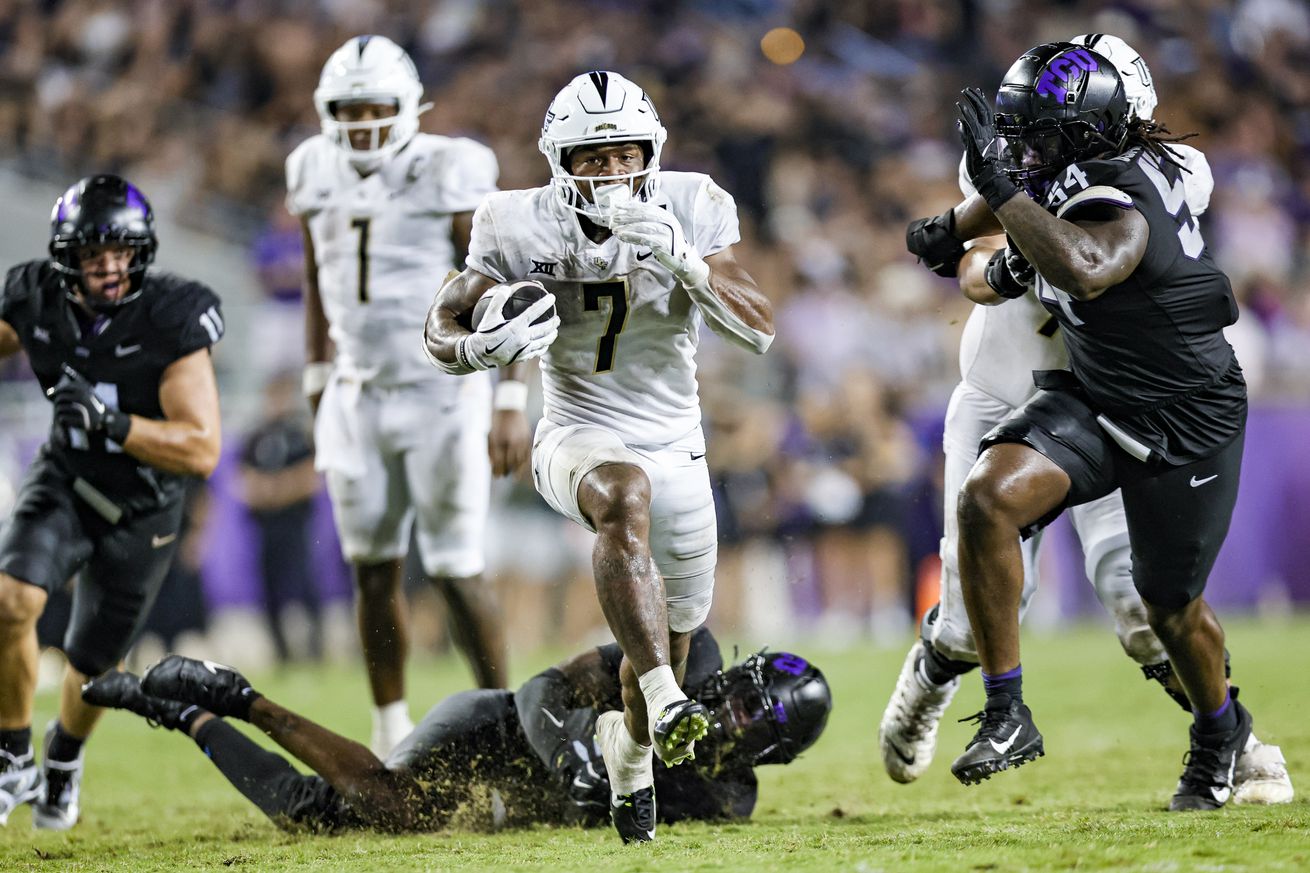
{"x": 533, "y": 750}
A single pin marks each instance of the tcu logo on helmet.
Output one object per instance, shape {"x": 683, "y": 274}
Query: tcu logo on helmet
{"x": 1064, "y": 69}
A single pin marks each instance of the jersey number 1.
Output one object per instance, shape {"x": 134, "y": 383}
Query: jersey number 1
{"x": 361, "y": 224}
{"x": 617, "y": 292}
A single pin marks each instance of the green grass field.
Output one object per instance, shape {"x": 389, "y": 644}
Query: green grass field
{"x": 1114, "y": 745}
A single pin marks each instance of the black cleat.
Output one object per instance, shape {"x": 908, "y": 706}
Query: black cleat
{"x": 119, "y": 690}
{"x": 676, "y": 730}
{"x": 1207, "y": 780}
{"x": 634, "y": 815}
{"x": 1006, "y": 738}
{"x": 215, "y": 687}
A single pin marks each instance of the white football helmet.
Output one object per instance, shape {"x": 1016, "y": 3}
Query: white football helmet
{"x": 595, "y": 108}
{"x": 370, "y": 69}
{"x": 1138, "y": 85}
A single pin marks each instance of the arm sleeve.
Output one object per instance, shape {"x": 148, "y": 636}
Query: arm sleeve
{"x": 486, "y": 251}
{"x": 715, "y": 220}
{"x": 467, "y": 174}
{"x": 16, "y": 295}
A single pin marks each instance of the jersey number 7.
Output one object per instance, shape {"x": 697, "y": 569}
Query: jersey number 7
{"x": 617, "y": 294}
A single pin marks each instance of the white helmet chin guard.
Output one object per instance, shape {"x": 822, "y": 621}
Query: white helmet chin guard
{"x": 370, "y": 69}
{"x": 597, "y": 108}
{"x": 1138, "y": 85}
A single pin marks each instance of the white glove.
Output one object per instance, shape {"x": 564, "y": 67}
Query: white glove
{"x": 499, "y": 342}
{"x": 642, "y": 224}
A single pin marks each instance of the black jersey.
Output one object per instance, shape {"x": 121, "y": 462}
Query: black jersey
{"x": 1150, "y": 352}
{"x": 125, "y": 357}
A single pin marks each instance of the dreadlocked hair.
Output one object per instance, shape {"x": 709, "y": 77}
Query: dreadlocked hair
{"x": 1154, "y": 138}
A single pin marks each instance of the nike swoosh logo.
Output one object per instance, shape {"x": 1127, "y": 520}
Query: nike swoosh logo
{"x": 491, "y": 349}
{"x": 1002, "y": 748}
{"x": 696, "y": 457}
{"x": 908, "y": 759}
{"x": 550, "y": 715}
{"x": 158, "y": 542}
{"x": 581, "y": 784}
{"x": 122, "y": 351}
{"x": 644, "y": 255}
{"x": 1197, "y": 482}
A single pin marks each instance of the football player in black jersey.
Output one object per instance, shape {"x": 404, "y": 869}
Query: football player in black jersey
{"x": 533, "y": 750}
{"x": 1154, "y": 402}
{"x": 123, "y": 354}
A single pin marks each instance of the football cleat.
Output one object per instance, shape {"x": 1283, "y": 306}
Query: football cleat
{"x": 120, "y": 690}
{"x": 1261, "y": 775}
{"x": 215, "y": 687}
{"x": 675, "y": 732}
{"x": 634, "y": 815}
{"x": 56, "y": 808}
{"x": 20, "y": 782}
{"x": 1006, "y": 738}
{"x": 1209, "y": 765}
{"x": 907, "y": 736}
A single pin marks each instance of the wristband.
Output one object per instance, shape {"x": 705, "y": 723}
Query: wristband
{"x": 510, "y": 395}
{"x": 314, "y": 378}
{"x": 117, "y": 424}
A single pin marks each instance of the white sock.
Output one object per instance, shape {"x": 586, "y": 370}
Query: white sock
{"x": 629, "y": 763}
{"x": 660, "y": 689}
{"x": 391, "y": 724}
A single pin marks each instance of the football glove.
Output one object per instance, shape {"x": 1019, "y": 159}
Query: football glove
{"x": 1009, "y": 274}
{"x": 78, "y": 407}
{"x": 642, "y": 224}
{"x": 933, "y": 242}
{"x": 499, "y": 342}
{"x": 978, "y": 133}
{"x": 582, "y": 769}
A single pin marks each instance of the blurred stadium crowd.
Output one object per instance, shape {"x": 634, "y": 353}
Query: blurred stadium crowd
{"x": 826, "y": 450}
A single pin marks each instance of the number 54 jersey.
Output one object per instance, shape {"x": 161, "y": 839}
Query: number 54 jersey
{"x": 382, "y": 244}
{"x": 628, "y": 331}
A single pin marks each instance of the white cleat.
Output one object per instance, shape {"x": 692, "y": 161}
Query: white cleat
{"x": 20, "y": 782}
{"x": 57, "y": 807}
{"x": 1261, "y": 775}
{"x": 907, "y": 736}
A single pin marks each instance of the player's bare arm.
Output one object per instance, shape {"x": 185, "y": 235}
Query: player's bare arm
{"x": 460, "y": 294}
{"x": 973, "y": 272}
{"x": 974, "y": 220}
{"x": 1082, "y": 257}
{"x": 738, "y": 293}
{"x": 188, "y": 440}
{"x": 9, "y": 342}
{"x": 318, "y": 347}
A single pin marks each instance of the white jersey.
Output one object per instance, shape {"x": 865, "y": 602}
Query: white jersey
{"x": 1003, "y": 344}
{"x": 628, "y": 332}
{"x": 382, "y": 245}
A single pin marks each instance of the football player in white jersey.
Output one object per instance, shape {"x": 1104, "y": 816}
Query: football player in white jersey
{"x": 636, "y": 260}
{"x": 387, "y": 210}
{"x": 1000, "y": 348}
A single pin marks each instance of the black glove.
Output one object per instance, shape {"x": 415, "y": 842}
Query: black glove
{"x": 1009, "y": 274}
{"x": 77, "y": 406}
{"x": 581, "y": 768}
{"x": 978, "y": 133}
{"x": 934, "y": 242}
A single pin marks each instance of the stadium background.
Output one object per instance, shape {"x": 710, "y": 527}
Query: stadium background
{"x": 826, "y": 452}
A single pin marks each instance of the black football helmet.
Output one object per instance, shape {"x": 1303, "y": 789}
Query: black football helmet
{"x": 766, "y": 710}
{"x": 103, "y": 210}
{"x": 1058, "y": 104}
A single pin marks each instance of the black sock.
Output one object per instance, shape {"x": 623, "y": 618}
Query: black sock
{"x": 940, "y": 669}
{"x": 1008, "y": 684}
{"x": 63, "y": 745}
{"x": 1222, "y": 721}
{"x": 16, "y": 741}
